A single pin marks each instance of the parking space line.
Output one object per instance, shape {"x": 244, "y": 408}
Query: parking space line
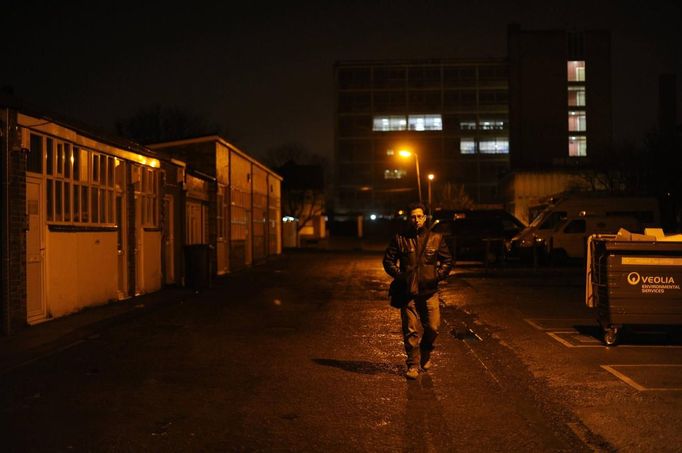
{"x": 623, "y": 377}
{"x": 595, "y": 343}
{"x": 534, "y": 324}
{"x": 631, "y": 382}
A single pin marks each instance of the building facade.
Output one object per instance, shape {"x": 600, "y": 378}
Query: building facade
{"x": 560, "y": 112}
{"x": 484, "y": 126}
{"x": 452, "y": 116}
{"x": 237, "y": 203}
{"x": 90, "y": 219}
{"x": 84, "y": 216}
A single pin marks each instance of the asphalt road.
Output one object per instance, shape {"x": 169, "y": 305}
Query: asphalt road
{"x": 304, "y": 354}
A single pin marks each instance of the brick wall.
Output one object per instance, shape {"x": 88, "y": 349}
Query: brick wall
{"x": 14, "y": 159}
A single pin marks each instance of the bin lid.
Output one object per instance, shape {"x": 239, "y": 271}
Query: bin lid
{"x": 644, "y": 246}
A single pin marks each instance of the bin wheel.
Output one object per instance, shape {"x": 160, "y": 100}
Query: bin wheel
{"x": 610, "y": 336}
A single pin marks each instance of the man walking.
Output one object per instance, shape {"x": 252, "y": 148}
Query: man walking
{"x": 418, "y": 259}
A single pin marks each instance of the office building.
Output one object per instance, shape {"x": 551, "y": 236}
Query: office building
{"x": 452, "y": 114}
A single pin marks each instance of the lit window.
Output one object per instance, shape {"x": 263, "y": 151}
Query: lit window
{"x": 577, "y": 121}
{"x": 498, "y": 145}
{"x": 389, "y": 123}
{"x": 577, "y": 146}
{"x": 394, "y": 174}
{"x": 576, "y": 71}
{"x": 390, "y": 152}
{"x": 425, "y": 123}
{"x": 576, "y": 96}
{"x": 491, "y": 125}
{"x": 467, "y": 125}
{"x": 467, "y": 146}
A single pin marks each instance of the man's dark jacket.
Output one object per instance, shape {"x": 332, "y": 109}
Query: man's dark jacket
{"x": 421, "y": 271}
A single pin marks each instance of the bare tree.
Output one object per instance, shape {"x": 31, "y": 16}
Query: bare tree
{"x": 304, "y": 193}
{"x": 158, "y": 123}
{"x": 293, "y": 152}
{"x": 453, "y": 196}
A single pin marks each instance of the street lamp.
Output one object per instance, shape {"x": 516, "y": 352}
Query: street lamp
{"x": 430, "y": 178}
{"x": 406, "y": 153}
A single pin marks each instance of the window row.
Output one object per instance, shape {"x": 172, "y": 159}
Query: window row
{"x": 498, "y": 145}
{"x": 79, "y": 204}
{"x": 420, "y": 76}
{"x": 62, "y": 160}
{"x": 85, "y": 187}
{"x": 412, "y": 122}
{"x": 484, "y": 125}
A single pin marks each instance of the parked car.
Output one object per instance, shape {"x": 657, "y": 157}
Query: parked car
{"x": 477, "y": 234}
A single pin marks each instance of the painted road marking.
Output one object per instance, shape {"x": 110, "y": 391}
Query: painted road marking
{"x": 666, "y": 376}
{"x": 578, "y": 340}
{"x": 564, "y": 331}
{"x": 559, "y": 324}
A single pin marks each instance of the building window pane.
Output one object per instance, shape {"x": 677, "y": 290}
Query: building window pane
{"x": 577, "y": 146}
{"x": 76, "y": 203}
{"x": 95, "y": 169}
{"x": 467, "y": 146}
{"x": 49, "y": 148}
{"x": 85, "y": 206}
{"x": 577, "y": 121}
{"x": 494, "y": 146}
{"x": 389, "y": 123}
{"x": 35, "y": 155}
{"x": 58, "y": 201}
{"x": 576, "y": 71}
{"x": 50, "y": 203}
{"x": 68, "y": 160}
{"x": 491, "y": 125}
{"x": 103, "y": 206}
{"x": 394, "y": 174}
{"x": 425, "y": 123}
{"x": 60, "y": 159}
{"x": 467, "y": 125}
{"x": 576, "y": 96}
{"x": 67, "y": 202}
{"x": 95, "y": 205}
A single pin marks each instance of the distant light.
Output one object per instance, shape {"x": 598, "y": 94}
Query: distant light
{"x": 431, "y": 176}
{"x": 373, "y": 216}
{"x": 288, "y": 218}
{"x": 404, "y": 153}
{"x": 401, "y": 212}
{"x": 389, "y": 152}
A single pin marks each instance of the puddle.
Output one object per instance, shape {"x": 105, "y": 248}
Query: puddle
{"x": 465, "y": 334}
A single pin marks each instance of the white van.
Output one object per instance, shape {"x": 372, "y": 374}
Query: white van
{"x": 569, "y": 238}
{"x": 534, "y": 237}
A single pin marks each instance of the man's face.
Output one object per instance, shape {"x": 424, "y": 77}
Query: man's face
{"x": 417, "y": 218}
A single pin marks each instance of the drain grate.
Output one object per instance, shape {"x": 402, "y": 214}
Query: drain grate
{"x": 465, "y": 334}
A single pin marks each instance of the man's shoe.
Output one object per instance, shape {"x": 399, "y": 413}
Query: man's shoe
{"x": 426, "y": 366}
{"x": 412, "y": 373}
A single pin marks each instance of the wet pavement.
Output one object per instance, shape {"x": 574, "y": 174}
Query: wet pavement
{"x": 303, "y": 353}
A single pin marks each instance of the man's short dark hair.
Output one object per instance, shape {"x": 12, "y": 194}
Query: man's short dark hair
{"x": 416, "y": 205}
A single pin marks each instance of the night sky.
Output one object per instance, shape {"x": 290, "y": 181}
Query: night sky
{"x": 264, "y": 73}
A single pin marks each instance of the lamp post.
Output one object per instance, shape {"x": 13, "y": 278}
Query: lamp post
{"x": 406, "y": 153}
{"x": 430, "y": 178}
